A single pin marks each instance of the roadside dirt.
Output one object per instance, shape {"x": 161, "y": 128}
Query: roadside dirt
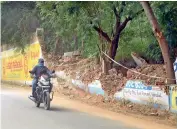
{"x": 91, "y": 105}
{"x": 146, "y": 112}
{"x": 89, "y": 71}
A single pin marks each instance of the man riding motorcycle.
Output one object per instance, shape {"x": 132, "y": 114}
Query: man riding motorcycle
{"x": 37, "y": 71}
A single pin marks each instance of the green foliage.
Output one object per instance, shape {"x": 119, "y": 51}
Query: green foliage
{"x": 68, "y": 21}
{"x": 17, "y": 21}
{"x": 167, "y": 12}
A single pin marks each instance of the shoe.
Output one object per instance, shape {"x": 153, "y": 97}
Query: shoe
{"x": 31, "y": 96}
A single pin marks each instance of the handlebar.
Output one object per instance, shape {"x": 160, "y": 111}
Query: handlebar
{"x": 52, "y": 75}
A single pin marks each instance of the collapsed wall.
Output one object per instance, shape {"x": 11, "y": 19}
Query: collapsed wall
{"x": 87, "y": 75}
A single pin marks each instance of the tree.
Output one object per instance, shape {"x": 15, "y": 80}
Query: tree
{"x": 19, "y": 21}
{"x": 166, "y": 14}
{"x": 162, "y": 41}
{"x": 118, "y": 28}
{"x": 120, "y": 11}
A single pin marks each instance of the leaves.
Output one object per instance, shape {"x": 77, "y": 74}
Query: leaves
{"x": 65, "y": 19}
{"x": 18, "y": 21}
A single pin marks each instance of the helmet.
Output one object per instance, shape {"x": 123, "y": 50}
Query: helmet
{"x": 40, "y": 60}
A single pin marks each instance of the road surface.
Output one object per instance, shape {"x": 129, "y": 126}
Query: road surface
{"x": 20, "y": 113}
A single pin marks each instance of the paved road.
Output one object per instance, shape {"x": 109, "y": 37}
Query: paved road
{"x": 19, "y": 112}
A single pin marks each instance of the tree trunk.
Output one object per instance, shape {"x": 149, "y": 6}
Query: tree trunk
{"x": 105, "y": 65}
{"x": 162, "y": 41}
{"x": 113, "y": 50}
{"x": 114, "y": 41}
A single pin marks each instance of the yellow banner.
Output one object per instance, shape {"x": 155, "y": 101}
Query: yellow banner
{"x": 16, "y": 66}
{"x": 174, "y": 98}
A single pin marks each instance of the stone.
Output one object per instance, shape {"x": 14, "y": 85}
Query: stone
{"x": 129, "y": 74}
{"x": 112, "y": 71}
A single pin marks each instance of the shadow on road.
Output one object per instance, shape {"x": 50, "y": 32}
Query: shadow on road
{"x": 58, "y": 109}
{"x": 61, "y": 109}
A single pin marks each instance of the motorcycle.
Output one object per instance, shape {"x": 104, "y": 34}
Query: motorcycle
{"x": 43, "y": 90}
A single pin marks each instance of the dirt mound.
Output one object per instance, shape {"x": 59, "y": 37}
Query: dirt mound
{"x": 151, "y": 71}
{"x": 112, "y": 83}
{"x": 115, "y": 81}
{"x": 91, "y": 73}
{"x": 75, "y": 66}
{"x": 87, "y": 71}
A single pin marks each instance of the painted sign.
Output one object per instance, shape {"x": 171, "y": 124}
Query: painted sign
{"x": 15, "y": 66}
{"x": 79, "y": 84}
{"x": 95, "y": 88}
{"x": 136, "y": 91}
{"x": 173, "y": 98}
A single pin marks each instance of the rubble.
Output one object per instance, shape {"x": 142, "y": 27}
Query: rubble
{"x": 151, "y": 71}
{"x": 139, "y": 61}
{"x": 87, "y": 71}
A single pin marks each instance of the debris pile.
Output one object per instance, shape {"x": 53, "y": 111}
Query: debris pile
{"x": 151, "y": 71}
{"x": 91, "y": 73}
{"x": 112, "y": 83}
{"x": 87, "y": 71}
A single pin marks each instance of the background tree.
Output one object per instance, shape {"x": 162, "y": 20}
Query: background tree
{"x": 18, "y": 21}
{"x": 68, "y": 24}
{"x": 162, "y": 41}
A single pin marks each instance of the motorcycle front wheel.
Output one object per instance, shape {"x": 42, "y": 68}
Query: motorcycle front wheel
{"x": 47, "y": 101}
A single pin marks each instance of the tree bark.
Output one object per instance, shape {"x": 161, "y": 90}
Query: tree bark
{"x": 161, "y": 40}
{"x": 102, "y": 33}
{"x": 113, "y": 49}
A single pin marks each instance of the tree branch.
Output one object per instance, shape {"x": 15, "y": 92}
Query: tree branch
{"x": 118, "y": 17}
{"x": 115, "y": 11}
{"x": 123, "y": 25}
{"x": 102, "y": 33}
{"x": 137, "y": 13}
{"x": 122, "y": 8}
{"x": 117, "y": 21}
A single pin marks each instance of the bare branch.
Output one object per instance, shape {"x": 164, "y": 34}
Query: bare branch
{"x": 118, "y": 17}
{"x": 123, "y": 25}
{"x": 102, "y": 33}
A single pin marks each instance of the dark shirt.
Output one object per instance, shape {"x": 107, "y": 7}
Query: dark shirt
{"x": 38, "y": 69}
